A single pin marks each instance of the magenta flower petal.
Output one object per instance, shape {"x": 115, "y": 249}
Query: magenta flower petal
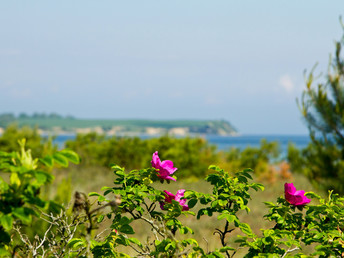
{"x": 289, "y": 188}
{"x": 156, "y": 160}
{"x": 178, "y": 197}
{"x": 168, "y": 166}
{"x": 294, "y": 197}
{"x": 165, "y": 169}
{"x": 182, "y": 202}
{"x": 168, "y": 199}
{"x": 169, "y": 196}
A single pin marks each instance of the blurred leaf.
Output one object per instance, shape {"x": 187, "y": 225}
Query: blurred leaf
{"x": 60, "y": 159}
{"x": 70, "y": 155}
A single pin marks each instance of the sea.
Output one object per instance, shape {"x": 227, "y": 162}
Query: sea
{"x": 227, "y": 142}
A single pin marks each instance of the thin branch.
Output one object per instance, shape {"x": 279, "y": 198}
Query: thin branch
{"x": 289, "y": 251}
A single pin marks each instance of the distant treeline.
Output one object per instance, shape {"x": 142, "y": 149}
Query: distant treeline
{"x": 9, "y": 118}
{"x": 59, "y": 124}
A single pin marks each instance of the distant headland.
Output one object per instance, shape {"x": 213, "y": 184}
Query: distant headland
{"x": 57, "y": 125}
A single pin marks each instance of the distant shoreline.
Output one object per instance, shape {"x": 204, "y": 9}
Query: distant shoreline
{"x": 69, "y": 126}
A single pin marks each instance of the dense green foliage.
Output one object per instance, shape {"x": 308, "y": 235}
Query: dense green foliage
{"x": 39, "y": 146}
{"x": 21, "y": 179}
{"x": 192, "y": 153}
{"x": 323, "y": 109}
{"x": 258, "y": 159}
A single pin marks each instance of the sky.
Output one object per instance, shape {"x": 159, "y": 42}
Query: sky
{"x": 241, "y": 61}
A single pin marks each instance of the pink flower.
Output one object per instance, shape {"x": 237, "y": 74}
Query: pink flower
{"x": 295, "y": 197}
{"x": 165, "y": 168}
{"x": 178, "y": 197}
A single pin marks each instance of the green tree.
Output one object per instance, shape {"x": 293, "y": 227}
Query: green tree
{"x": 322, "y": 106}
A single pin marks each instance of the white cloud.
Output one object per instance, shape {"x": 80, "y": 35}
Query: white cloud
{"x": 287, "y": 83}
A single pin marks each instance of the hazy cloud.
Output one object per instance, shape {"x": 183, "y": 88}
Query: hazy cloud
{"x": 287, "y": 83}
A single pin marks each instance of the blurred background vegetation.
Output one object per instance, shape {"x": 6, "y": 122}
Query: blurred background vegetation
{"x": 191, "y": 156}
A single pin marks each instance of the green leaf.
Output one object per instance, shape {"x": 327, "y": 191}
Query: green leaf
{"x": 135, "y": 241}
{"x": 6, "y": 221}
{"x": 76, "y": 242}
{"x": 192, "y": 203}
{"x": 3, "y": 251}
{"x": 93, "y": 194}
{"x": 47, "y": 160}
{"x": 270, "y": 204}
{"x": 257, "y": 186}
{"x": 54, "y": 207}
{"x": 60, "y": 159}
{"x": 226, "y": 248}
{"x": 247, "y": 175}
{"x": 228, "y": 217}
{"x": 23, "y": 213}
{"x": 213, "y": 167}
{"x": 100, "y": 218}
{"x": 312, "y": 195}
{"x": 71, "y": 156}
{"x": 15, "y": 181}
{"x": 242, "y": 179}
{"x": 43, "y": 177}
{"x": 126, "y": 229}
{"x": 246, "y": 229}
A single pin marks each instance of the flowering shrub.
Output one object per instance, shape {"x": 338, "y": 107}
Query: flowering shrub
{"x": 135, "y": 200}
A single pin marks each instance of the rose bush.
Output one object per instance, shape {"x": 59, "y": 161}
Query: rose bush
{"x": 135, "y": 199}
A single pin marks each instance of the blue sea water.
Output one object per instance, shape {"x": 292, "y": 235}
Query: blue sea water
{"x": 227, "y": 142}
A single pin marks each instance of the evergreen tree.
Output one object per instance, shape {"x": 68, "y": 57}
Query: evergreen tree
{"x": 322, "y": 106}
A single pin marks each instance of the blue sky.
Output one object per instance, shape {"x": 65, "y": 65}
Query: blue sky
{"x": 240, "y": 61}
